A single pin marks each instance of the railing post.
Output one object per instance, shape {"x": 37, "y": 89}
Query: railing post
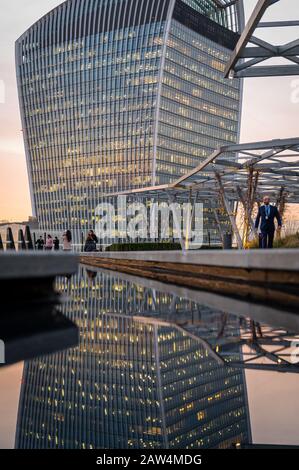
{"x": 10, "y": 243}
{"x": 1, "y": 243}
{"x": 21, "y": 241}
{"x": 28, "y": 238}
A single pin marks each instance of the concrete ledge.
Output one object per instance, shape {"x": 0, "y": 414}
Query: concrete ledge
{"x": 30, "y": 323}
{"x": 265, "y": 276}
{"x": 25, "y": 265}
{"x": 270, "y": 314}
{"x": 287, "y": 260}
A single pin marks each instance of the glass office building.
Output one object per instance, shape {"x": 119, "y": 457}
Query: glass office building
{"x": 137, "y": 379}
{"x": 121, "y": 94}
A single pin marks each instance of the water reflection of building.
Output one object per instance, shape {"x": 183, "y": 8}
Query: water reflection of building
{"x": 130, "y": 383}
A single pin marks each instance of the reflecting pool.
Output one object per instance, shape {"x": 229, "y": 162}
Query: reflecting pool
{"x": 161, "y": 367}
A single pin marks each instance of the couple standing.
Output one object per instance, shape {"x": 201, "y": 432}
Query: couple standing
{"x": 54, "y": 243}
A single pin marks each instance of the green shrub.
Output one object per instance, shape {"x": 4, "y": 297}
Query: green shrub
{"x": 152, "y": 246}
{"x": 289, "y": 241}
{"x": 144, "y": 246}
{"x": 253, "y": 244}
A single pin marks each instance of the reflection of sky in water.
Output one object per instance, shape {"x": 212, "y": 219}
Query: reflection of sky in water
{"x": 154, "y": 370}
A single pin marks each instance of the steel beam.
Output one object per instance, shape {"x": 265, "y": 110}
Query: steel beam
{"x": 254, "y": 20}
{"x": 277, "y": 162}
{"x": 270, "y": 71}
{"x": 238, "y": 67}
{"x": 278, "y": 24}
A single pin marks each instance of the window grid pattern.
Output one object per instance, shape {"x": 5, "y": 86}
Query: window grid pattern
{"x": 199, "y": 111}
{"x": 130, "y": 383}
{"x": 99, "y": 82}
{"x": 88, "y": 108}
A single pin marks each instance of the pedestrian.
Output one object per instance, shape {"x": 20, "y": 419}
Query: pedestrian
{"x": 90, "y": 244}
{"x": 94, "y": 237}
{"x": 91, "y": 274}
{"x": 49, "y": 243}
{"x": 56, "y": 244}
{"x": 266, "y": 216}
{"x": 67, "y": 241}
{"x": 40, "y": 243}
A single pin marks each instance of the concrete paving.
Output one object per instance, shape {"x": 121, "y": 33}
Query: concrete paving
{"x": 249, "y": 259}
{"x": 25, "y": 265}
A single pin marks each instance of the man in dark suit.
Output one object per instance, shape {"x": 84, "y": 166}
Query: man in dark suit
{"x": 267, "y": 214}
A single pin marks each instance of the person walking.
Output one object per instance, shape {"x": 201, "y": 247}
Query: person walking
{"x": 56, "y": 244}
{"x": 40, "y": 243}
{"x": 90, "y": 244}
{"x": 266, "y": 220}
{"x": 67, "y": 241}
{"x": 49, "y": 243}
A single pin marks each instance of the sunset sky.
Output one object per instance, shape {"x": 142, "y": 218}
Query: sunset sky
{"x": 268, "y": 109}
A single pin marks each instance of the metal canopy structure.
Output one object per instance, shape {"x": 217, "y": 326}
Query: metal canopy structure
{"x": 237, "y": 172}
{"x": 243, "y": 173}
{"x": 251, "y": 50}
{"x": 249, "y": 345}
{"x": 227, "y": 169}
{"x": 225, "y": 3}
{"x": 230, "y": 340}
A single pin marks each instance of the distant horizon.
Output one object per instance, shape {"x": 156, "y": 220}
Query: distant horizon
{"x": 268, "y": 109}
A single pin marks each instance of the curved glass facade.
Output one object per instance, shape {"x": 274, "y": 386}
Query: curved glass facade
{"x": 121, "y": 94}
{"x": 199, "y": 109}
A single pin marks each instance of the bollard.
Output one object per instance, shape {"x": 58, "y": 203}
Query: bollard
{"x": 21, "y": 241}
{"x": 28, "y": 238}
{"x": 10, "y": 243}
{"x": 1, "y": 243}
{"x": 227, "y": 241}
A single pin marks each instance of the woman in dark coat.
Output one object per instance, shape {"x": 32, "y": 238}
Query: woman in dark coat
{"x": 90, "y": 244}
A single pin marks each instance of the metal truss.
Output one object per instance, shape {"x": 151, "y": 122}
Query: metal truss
{"x": 241, "y": 173}
{"x": 246, "y": 344}
{"x": 225, "y": 3}
{"x": 251, "y": 50}
{"x": 234, "y": 332}
{"x": 275, "y": 161}
{"x": 228, "y": 339}
{"x": 241, "y": 342}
